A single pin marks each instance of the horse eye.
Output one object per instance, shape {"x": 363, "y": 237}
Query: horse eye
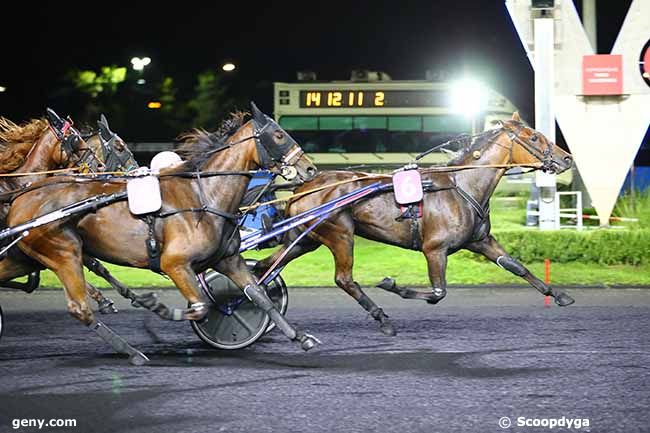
{"x": 279, "y": 135}
{"x": 533, "y": 138}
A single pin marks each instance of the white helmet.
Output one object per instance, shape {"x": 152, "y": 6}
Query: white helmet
{"x": 164, "y": 159}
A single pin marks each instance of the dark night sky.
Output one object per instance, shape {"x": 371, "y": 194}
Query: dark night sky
{"x": 268, "y": 41}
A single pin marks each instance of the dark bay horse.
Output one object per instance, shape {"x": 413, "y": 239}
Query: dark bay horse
{"x": 197, "y": 225}
{"x": 454, "y": 217}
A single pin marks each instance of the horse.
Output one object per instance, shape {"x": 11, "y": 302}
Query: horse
{"x": 31, "y": 151}
{"x": 44, "y": 145}
{"x": 197, "y": 225}
{"x": 454, "y": 216}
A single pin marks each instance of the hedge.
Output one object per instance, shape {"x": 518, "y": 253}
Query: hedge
{"x": 607, "y": 247}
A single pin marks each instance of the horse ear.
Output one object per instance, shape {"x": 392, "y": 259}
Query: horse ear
{"x": 258, "y": 116}
{"x": 104, "y": 130}
{"x": 515, "y": 116}
{"x": 54, "y": 119}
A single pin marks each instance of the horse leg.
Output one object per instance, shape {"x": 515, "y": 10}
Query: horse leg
{"x": 148, "y": 300}
{"x": 234, "y": 267}
{"x": 437, "y": 266}
{"x": 67, "y": 265}
{"x": 105, "y": 305}
{"x": 339, "y": 238}
{"x": 491, "y": 249}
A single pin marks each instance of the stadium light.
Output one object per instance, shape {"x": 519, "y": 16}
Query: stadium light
{"x": 228, "y": 67}
{"x": 468, "y": 97}
{"x": 154, "y": 105}
{"x": 3, "y": 89}
{"x": 139, "y": 63}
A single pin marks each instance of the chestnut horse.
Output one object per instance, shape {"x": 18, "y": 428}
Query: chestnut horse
{"x": 454, "y": 217}
{"x": 197, "y": 225}
{"x": 38, "y": 146}
{"x": 43, "y": 145}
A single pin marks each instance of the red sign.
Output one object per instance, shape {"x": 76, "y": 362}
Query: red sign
{"x": 602, "y": 74}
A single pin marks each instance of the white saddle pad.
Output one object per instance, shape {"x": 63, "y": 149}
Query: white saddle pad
{"x": 143, "y": 193}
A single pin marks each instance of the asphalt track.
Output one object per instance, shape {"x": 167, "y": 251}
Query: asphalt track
{"x": 460, "y": 366}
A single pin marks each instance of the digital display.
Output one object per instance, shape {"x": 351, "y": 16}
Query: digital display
{"x": 372, "y": 98}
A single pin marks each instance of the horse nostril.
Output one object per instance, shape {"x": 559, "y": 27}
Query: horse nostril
{"x": 568, "y": 160}
{"x": 311, "y": 170}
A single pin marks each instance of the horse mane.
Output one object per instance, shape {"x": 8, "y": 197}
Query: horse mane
{"x": 472, "y": 143}
{"x": 17, "y": 140}
{"x": 198, "y": 145}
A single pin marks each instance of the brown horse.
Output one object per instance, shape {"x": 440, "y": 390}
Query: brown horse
{"x": 42, "y": 145}
{"x": 196, "y": 226}
{"x": 38, "y": 147}
{"x": 454, "y": 217}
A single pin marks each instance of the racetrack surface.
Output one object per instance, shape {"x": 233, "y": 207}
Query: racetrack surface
{"x": 459, "y": 366}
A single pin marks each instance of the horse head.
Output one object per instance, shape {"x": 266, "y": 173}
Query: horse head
{"x": 113, "y": 150}
{"x": 72, "y": 150}
{"x": 278, "y": 151}
{"x": 529, "y": 146}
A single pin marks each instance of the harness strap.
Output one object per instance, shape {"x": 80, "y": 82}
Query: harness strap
{"x": 153, "y": 246}
{"x": 480, "y": 210}
{"x": 206, "y": 209}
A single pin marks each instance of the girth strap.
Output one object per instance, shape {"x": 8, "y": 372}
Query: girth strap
{"x": 153, "y": 246}
{"x": 482, "y": 212}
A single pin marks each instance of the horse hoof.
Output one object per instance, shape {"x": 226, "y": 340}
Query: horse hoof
{"x": 107, "y": 307}
{"x": 387, "y": 328}
{"x": 387, "y": 284}
{"x": 138, "y": 359}
{"x": 436, "y": 296}
{"x": 308, "y": 342}
{"x": 564, "y": 300}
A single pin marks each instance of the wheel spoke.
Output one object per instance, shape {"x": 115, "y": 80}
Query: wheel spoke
{"x": 243, "y": 322}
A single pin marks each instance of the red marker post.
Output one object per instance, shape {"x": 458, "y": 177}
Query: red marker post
{"x": 547, "y": 280}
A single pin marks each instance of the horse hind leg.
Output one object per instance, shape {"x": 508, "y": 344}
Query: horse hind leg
{"x": 149, "y": 301}
{"x": 105, "y": 305}
{"x": 234, "y": 267}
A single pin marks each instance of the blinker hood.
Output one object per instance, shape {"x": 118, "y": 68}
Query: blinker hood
{"x": 265, "y": 128}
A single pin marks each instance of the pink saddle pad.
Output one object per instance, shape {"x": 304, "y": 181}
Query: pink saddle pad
{"x": 407, "y": 185}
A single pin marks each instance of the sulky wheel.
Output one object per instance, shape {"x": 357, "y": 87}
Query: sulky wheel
{"x": 233, "y": 321}
{"x": 1, "y": 323}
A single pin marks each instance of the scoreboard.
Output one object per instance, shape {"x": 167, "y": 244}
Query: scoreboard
{"x": 371, "y": 98}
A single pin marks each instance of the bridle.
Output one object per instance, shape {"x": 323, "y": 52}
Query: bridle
{"x": 113, "y": 159}
{"x": 544, "y": 156}
{"x": 285, "y": 160}
{"x": 70, "y": 139}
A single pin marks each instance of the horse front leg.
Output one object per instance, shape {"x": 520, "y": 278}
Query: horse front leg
{"x": 234, "y": 267}
{"x": 62, "y": 254}
{"x": 491, "y": 249}
{"x": 437, "y": 267}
